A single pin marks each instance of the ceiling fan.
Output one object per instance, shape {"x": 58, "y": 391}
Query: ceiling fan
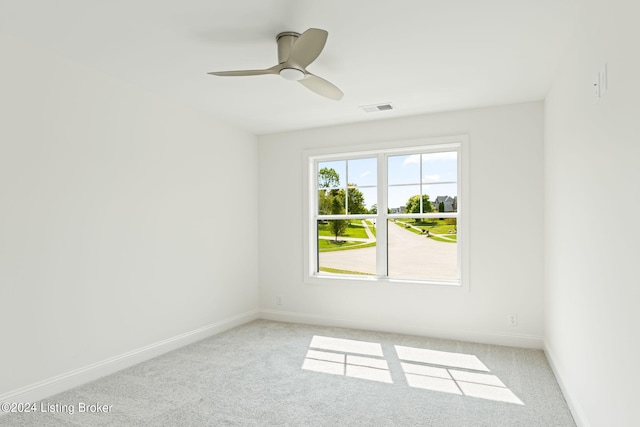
{"x": 295, "y": 52}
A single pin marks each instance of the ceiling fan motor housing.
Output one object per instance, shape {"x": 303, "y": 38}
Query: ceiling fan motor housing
{"x": 285, "y": 42}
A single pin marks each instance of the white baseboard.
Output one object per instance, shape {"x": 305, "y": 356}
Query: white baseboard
{"x": 49, "y": 387}
{"x": 576, "y": 410}
{"x": 484, "y": 337}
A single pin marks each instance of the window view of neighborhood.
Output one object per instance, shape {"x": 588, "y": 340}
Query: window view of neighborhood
{"x": 421, "y": 214}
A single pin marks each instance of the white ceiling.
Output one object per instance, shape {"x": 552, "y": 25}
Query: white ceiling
{"x": 421, "y": 55}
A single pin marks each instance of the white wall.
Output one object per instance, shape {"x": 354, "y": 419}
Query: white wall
{"x": 506, "y": 252}
{"x": 124, "y": 220}
{"x": 592, "y": 174}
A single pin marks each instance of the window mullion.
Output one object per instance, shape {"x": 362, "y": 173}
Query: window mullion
{"x": 421, "y": 189}
{"x": 382, "y": 223}
{"x": 346, "y": 187}
{"x": 314, "y": 256}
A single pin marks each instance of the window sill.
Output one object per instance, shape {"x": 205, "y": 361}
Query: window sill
{"x": 322, "y": 279}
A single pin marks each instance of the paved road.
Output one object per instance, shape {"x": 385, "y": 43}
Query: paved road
{"x": 410, "y": 256}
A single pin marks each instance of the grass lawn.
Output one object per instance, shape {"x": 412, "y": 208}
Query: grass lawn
{"x": 354, "y": 229}
{"x": 451, "y": 238}
{"x": 434, "y": 226}
{"x": 338, "y": 271}
{"x": 325, "y": 245}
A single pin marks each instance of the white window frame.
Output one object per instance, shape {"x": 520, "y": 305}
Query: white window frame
{"x": 457, "y": 143}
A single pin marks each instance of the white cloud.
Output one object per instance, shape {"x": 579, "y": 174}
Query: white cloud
{"x": 431, "y": 178}
{"x": 363, "y": 174}
{"x": 414, "y": 158}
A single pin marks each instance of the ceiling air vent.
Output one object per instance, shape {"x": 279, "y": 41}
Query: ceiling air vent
{"x": 377, "y": 107}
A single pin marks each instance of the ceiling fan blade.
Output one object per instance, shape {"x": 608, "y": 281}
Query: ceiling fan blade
{"x": 307, "y": 48}
{"x": 273, "y": 70}
{"x": 321, "y": 87}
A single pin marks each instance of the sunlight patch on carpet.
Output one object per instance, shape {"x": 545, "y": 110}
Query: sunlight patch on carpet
{"x": 443, "y": 358}
{"x": 474, "y": 381}
{"x": 346, "y": 346}
{"x": 350, "y": 358}
{"x": 434, "y": 370}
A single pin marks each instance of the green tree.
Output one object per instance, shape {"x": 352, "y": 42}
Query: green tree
{"x": 337, "y": 226}
{"x": 413, "y": 204}
{"x": 441, "y": 207}
{"x": 356, "y": 201}
{"x": 374, "y": 209}
{"x": 324, "y": 202}
{"x": 328, "y": 178}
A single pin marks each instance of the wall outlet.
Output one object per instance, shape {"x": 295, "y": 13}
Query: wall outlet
{"x": 279, "y": 300}
{"x": 512, "y": 320}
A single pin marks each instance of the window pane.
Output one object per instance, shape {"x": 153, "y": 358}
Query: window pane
{"x": 331, "y": 202}
{"x": 399, "y": 196}
{"x": 347, "y": 247}
{"x": 363, "y": 172}
{"x": 361, "y": 200}
{"x": 404, "y": 169}
{"x": 423, "y": 249}
{"x": 332, "y": 174}
{"x": 443, "y": 197}
{"x": 440, "y": 167}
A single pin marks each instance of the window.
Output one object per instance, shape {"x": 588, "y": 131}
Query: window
{"x": 391, "y": 214}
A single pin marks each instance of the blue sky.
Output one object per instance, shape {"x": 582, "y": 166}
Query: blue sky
{"x": 403, "y": 175}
